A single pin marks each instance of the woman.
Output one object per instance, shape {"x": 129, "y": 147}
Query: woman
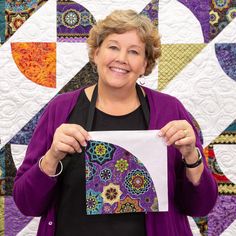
{"x": 123, "y": 47}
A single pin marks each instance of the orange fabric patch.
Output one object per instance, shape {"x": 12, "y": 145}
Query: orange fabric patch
{"x": 37, "y": 61}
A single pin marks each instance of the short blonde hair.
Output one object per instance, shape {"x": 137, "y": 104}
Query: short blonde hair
{"x": 121, "y": 21}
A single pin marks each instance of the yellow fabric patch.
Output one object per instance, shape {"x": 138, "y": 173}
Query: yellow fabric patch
{"x": 225, "y": 139}
{"x": 174, "y": 58}
{"x": 227, "y": 188}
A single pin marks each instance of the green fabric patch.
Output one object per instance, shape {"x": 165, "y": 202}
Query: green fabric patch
{"x": 2, "y": 22}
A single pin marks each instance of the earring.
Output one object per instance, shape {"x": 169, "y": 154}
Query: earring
{"x": 141, "y": 80}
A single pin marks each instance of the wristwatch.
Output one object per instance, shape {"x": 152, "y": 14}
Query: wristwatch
{"x": 195, "y": 164}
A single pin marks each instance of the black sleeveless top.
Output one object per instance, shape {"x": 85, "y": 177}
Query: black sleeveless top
{"x": 71, "y": 212}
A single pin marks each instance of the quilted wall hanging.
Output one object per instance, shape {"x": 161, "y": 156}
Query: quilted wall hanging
{"x": 197, "y": 66}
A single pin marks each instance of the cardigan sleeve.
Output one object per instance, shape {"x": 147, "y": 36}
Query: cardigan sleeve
{"x": 194, "y": 200}
{"x": 33, "y": 190}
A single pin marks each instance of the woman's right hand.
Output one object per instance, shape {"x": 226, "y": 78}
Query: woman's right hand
{"x": 68, "y": 138}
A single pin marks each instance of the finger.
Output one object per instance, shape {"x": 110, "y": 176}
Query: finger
{"x": 64, "y": 148}
{"x": 172, "y": 131}
{"x": 77, "y": 132}
{"x": 172, "y": 127}
{"x": 71, "y": 141}
{"x": 163, "y": 130}
{"x": 185, "y": 133}
{"x": 80, "y": 138}
{"x": 185, "y": 141}
{"x": 174, "y": 135}
{"x": 84, "y": 132}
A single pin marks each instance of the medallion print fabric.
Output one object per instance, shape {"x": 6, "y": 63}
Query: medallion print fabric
{"x": 73, "y": 22}
{"x": 17, "y": 12}
{"x": 116, "y": 181}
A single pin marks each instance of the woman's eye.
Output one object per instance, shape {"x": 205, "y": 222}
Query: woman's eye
{"x": 134, "y": 52}
{"x": 113, "y": 47}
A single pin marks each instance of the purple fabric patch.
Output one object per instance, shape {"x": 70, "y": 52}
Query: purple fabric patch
{"x": 73, "y": 22}
{"x": 116, "y": 181}
{"x": 151, "y": 11}
{"x": 24, "y": 135}
{"x": 14, "y": 220}
{"x": 226, "y": 55}
{"x": 223, "y": 214}
{"x": 200, "y": 8}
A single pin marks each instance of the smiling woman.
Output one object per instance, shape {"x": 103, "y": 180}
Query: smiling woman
{"x": 122, "y": 22}
{"x": 122, "y": 47}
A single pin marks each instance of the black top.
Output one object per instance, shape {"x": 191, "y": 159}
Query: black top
{"x": 71, "y": 214}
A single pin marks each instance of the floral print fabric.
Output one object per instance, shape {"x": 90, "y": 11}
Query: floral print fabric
{"x": 116, "y": 181}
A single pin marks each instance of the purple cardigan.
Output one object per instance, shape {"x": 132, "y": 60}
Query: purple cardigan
{"x": 35, "y": 193}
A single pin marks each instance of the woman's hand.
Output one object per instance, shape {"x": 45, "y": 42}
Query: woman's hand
{"x": 180, "y": 134}
{"x": 68, "y": 138}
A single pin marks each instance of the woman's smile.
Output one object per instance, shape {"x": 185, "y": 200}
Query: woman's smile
{"x": 119, "y": 70}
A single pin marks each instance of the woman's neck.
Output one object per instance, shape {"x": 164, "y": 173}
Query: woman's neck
{"x": 115, "y": 101}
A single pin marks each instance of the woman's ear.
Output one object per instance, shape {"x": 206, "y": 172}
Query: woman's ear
{"x": 95, "y": 55}
{"x": 144, "y": 67}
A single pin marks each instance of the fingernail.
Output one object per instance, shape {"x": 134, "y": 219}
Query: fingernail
{"x": 160, "y": 133}
{"x": 166, "y": 142}
{"x": 80, "y": 151}
{"x": 84, "y": 144}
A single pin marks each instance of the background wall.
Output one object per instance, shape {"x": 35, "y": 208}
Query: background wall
{"x": 43, "y": 53}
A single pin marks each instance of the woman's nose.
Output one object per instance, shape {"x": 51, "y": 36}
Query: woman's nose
{"x": 122, "y": 57}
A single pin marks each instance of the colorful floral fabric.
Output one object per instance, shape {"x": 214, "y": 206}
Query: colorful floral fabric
{"x": 221, "y": 14}
{"x": 116, "y": 181}
{"x": 151, "y": 11}
{"x": 17, "y": 12}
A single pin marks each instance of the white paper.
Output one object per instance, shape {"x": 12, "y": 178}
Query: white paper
{"x": 150, "y": 149}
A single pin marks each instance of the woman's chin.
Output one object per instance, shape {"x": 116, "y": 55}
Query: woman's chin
{"x": 118, "y": 84}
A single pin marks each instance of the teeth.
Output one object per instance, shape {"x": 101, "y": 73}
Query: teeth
{"x": 119, "y": 70}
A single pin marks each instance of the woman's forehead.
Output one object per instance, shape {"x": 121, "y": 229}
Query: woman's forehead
{"x": 128, "y": 37}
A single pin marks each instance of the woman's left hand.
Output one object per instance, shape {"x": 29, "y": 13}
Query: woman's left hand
{"x": 180, "y": 134}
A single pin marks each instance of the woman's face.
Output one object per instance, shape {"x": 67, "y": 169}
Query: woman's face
{"x": 120, "y": 60}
